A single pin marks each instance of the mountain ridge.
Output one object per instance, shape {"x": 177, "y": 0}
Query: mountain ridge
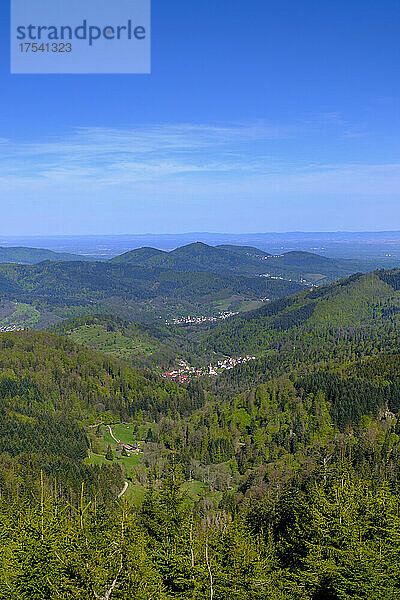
{"x": 294, "y": 265}
{"x": 28, "y": 255}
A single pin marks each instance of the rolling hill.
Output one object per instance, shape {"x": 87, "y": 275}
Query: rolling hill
{"x": 196, "y": 257}
{"x": 248, "y": 261}
{"x": 31, "y": 256}
{"x": 247, "y": 251}
{"x": 64, "y": 289}
{"x": 315, "y": 268}
{"x": 139, "y": 257}
{"x": 149, "y": 345}
{"x": 357, "y": 316}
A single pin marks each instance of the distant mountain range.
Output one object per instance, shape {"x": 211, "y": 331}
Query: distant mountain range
{"x": 199, "y": 257}
{"x": 376, "y": 245}
{"x": 226, "y": 259}
{"x": 304, "y": 267}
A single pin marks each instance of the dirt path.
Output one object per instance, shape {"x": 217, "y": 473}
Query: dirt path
{"x": 112, "y": 435}
{"x": 126, "y": 484}
{"x": 124, "y": 490}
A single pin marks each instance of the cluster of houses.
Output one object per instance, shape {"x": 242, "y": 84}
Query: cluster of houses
{"x": 275, "y": 277}
{"x": 301, "y": 280}
{"x": 185, "y": 371}
{"x": 8, "y": 328}
{"x": 202, "y": 319}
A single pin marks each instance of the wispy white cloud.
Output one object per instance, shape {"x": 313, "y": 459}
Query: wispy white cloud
{"x": 159, "y": 150}
{"x": 155, "y": 169}
{"x": 113, "y": 155}
{"x": 101, "y": 142}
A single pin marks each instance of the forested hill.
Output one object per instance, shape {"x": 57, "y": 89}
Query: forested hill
{"x": 289, "y": 419}
{"x": 62, "y": 289}
{"x": 31, "y": 256}
{"x": 49, "y": 386}
{"x": 297, "y": 476}
{"x": 356, "y": 316}
{"x": 45, "y": 372}
{"x": 150, "y": 345}
{"x": 197, "y": 257}
{"x": 75, "y": 280}
{"x": 248, "y": 261}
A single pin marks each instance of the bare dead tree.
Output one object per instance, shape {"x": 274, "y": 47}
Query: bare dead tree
{"x": 209, "y": 572}
{"x": 108, "y": 593}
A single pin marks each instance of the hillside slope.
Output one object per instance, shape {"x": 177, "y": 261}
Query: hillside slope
{"x": 356, "y": 316}
{"x": 138, "y": 257}
{"x": 150, "y": 345}
{"x": 31, "y": 256}
{"x": 248, "y": 261}
{"x": 64, "y": 289}
{"x": 358, "y": 300}
{"x": 66, "y": 377}
{"x": 49, "y": 386}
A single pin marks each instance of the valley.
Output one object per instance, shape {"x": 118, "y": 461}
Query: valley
{"x": 199, "y": 300}
{"x": 185, "y": 420}
{"x": 152, "y": 286}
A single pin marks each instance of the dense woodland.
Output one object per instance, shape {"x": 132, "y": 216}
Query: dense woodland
{"x": 336, "y": 539}
{"x": 299, "y": 453}
{"x": 58, "y": 290}
{"x": 89, "y": 281}
{"x": 223, "y": 259}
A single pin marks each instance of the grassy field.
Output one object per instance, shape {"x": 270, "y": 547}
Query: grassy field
{"x": 195, "y": 490}
{"x": 237, "y": 304}
{"x": 128, "y": 461}
{"x": 135, "y": 494}
{"x": 247, "y": 305}
{"x": 114, "y": 343}
{"x": 123, "y": 432}
{"x": 95, "y": 459}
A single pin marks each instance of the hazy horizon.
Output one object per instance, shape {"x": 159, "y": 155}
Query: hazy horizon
{"x": 364, "y": 245}
{"x": 207, "y": 232}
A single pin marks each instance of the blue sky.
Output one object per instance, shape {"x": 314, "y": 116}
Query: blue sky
{"x": 258, "y": 116}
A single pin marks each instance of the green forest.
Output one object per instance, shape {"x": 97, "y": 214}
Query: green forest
{"x": 58, "y": 290}
{"x": 278, "y": 478}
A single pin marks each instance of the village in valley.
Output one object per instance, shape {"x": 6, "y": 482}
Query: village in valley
{"x": 185, "y": 372}
{"x": 10, "y": 328}
{"x": 200, "y": 320}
